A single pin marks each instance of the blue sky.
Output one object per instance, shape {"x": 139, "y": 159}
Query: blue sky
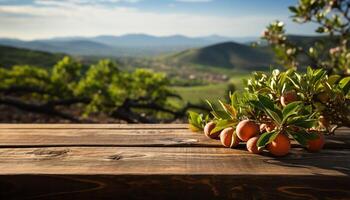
{"x": 33, "y": 19}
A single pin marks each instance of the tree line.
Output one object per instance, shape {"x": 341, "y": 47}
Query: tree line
{"x": 140, "y": 96}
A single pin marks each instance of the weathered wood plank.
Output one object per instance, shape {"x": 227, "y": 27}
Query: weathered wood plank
{"x": 107, "y": 126}
{"x": 93, "y": 126}
{"x": 172, "y": 160}
{"x": 129, "y": 162}
{"x": 103, "y": 137}
{"x": 62, "y": 187}
{"x": 125, "y": 137}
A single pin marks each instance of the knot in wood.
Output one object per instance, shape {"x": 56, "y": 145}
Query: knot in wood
{"x": 49, "y": 152}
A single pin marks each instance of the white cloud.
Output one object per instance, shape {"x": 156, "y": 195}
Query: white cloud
{"x": 71, "y": 19}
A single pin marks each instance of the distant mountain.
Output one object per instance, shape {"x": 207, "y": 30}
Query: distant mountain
{"x": 227, "y": 55}
{"x": 82, "y": 47}
{"x": 142, "y": 40}
{"x": 75, "y": 47}
{"x": 243, "y": 56}
{"x": 35, "y": 45}
{"x": 125, "y": 45}
{"x": 10, "y": 56}
{"x": 211, "y": 50}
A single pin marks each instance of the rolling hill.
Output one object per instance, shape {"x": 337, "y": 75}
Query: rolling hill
{"x": 130, "y": 45}
{"x": 232, "y": 55}
{"x": 10, "y": 56}
{"x": 227, "y": 55}
{"x": 75, "y": 47}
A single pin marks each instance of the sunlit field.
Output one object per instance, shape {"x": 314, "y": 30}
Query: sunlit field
{"x": 211, "y": 92}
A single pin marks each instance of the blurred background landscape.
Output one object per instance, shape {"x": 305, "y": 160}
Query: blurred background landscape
{"x": 193, "y": 50}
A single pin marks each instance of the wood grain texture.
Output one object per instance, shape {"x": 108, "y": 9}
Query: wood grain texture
{"x": 103, "y": 137}
{"x": 64, "y": 187}
{"x": 171, "y": 160}
{"x": 93, "y": 126}
{"x": 158, "y": 137}
{"x": 147, "y": 161}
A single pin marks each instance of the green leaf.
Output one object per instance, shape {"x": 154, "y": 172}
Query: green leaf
{"x": 294, "y": 83}
{"x": 218, "y": 114}
{"x": 234, "y": 99}
{"x": 305, "y": 123}
{"x": 293, "y": 9}
{"x": 210, "y": 104}
{"x": 333, "y": 79}
{"x": 269, "y": 108}
{"x": 317, "y": 76}
{"x": 299, "y": 138}
{"x": 296, "y": 119}
{"x": 273, "y": 136}
{"x": 266, "y": 102}
{"x": 193, "y": 116}
{"x": 196, "y": 120}
{"x": 267, "y": 138}
{"x": 257, "y": 104}
{"x": 311, "y": 135}
{"x": 309, "y": 71}
{"x": 274, "y": 115}
{"x": 302, "y": 136}
{"x": 291, "y": 109}
{"x": 230, "y": 110}
{"x": 222, "y": 124}
{"x": 298, "y": 76}
{"x": 344, "y": 84}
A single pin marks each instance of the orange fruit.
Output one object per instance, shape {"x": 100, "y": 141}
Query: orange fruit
{"x": 251, "y": 145}
{"x": 288, "y": 97}
{"x": 208, "y": 128}
{"x": 229, "y": 138}
{"x": 247, "y": 129}
{"x": 317, "y": 144}
{"x": 280, "y": 146}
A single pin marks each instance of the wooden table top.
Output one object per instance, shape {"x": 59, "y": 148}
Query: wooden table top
{"x": 140, "y": 149}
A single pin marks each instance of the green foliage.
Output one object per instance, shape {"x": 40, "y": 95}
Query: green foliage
{"x": 222, "y": 124}
{"x": 197, "y": 121}
{"x": 224, "y": 55}
{"x": 102, "y": 88}
{"x": 326, "y": 95}
{"x": 318, "y": 96}
{"x": 333, "y": 19}
{"x": 10, "y": 56}
{"x": 65, "y": 76}
{"x": 23, "y": 76}
{"x": 103, "y": 83}
{"x": 229, "y": 114}
{"x": 294, "y": 119}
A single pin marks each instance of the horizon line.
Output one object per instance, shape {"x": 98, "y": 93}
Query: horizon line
{"x": 146, "y": 34}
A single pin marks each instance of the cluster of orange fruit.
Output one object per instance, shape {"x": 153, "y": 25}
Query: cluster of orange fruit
{"x": 249, "y": 131}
